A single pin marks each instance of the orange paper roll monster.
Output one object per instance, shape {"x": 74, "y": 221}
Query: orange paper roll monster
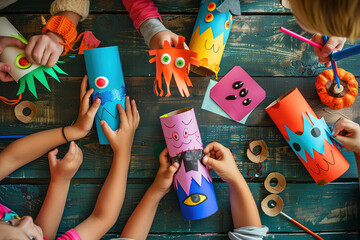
{"x": 308, "y": 136}
{"x": 173, "y": 61}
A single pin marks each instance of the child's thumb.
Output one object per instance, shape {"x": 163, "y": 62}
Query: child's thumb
{"x": 342, "y": 139}
{"x": 106, "y": 129}
{"x": 172, "y": 169}
{"x": 52, "y": 156}
{"x": 209, "y": 162}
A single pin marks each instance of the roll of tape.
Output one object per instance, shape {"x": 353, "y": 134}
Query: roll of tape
{"x": 272, "y": 205}
{"x": 19, "y": 111}
{"x": 281, "y": 182}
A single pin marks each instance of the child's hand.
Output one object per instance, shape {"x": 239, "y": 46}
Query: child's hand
{"x": 65, "y": 169}
{"x": 348, "y": 133}
{"x": 157, "y": 41}
{"x": 121, "y": 140}
{"x": 333, "y": 44}
{"x": 165, "y": 174}
{"x": 5, "y": 68}
{"x": 87, "y": 113}
{"x": 44, "y": 49}
{"x": 222, "y": 161}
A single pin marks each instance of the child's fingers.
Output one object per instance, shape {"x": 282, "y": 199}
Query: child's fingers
{"x": 128, "y": 109}
{"x": 135, "y": 112}
{"x": 343, "y": 124}
{"x": 172, "y": 170}
{"x": 38, "y": 52}
{"x": 163, "y": 157}
{"x": 214, "y": 146}
{"x": 5, "y": 77}
{"x": 106, "y": 129}
{"x": 45, "y": 58}
{"x": 123, "y": 117}
{"x": 83, "y": 87}
{"x": 52, "y": 156}
{"x": 29, "y": 49}
{"x": 4, "y": 67}
{"x": 52, "y": 59}
{"x": 85, "y": 101}
{"x": 317, "y": 38}
{"x": 94, "y": 107}
{"x": 210, "y": 162}
{"x": 329, "y": 47}
{"x": 10, "y": 41}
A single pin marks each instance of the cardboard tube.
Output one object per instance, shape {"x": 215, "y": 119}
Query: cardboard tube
{"x": 309, "y": 137}
{"x": 269, "y": 210}
{"x": 106, "y": 78}
{"x": 210, "y": 34}
{"x": 14, "y": 56}
{"x": 281, "y": 182}
{"x": 192, "y": 181}
{"x": 19, "y": 111}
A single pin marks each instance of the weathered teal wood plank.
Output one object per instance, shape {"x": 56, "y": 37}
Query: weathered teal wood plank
{"x": 61, "y": 106}
{"x": 164, "y": 6}
{"x": 255, "y": 43}
{"x": 277, "y": 236}
{"x": 334, "y": 207}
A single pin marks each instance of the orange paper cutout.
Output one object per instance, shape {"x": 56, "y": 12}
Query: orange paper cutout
{"x": 173, "y": 61}
{"x": 88, "y": 41}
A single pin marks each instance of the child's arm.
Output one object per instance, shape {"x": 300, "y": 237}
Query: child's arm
{"x": 111, "y": 196}
{"x": 334, "y": 43}
{"x": 5, "y": 68}
{"x": 62, "y": 171}
{"x": 29, "y": 148}
{"x": 46, "y": 49}
{"x": 147, "y": 21}
{"x": 139, "y": 223}
{"x": 348, "y": 133}
{"x": 243, "y": 208}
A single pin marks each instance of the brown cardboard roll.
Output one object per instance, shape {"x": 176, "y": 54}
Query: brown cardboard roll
{"x": 255, "y": 155}
{"x": 19, "y": 111}
{"x": 272, "y": 205}
{"x": 281, "y": 182}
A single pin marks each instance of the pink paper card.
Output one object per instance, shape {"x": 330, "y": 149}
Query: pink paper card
{"x": 237, "y": 93}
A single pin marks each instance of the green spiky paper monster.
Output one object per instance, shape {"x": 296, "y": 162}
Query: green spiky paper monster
{"x": 39, "y": 74}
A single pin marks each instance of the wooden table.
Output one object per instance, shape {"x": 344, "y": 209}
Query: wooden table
{"x": 276, "y": 61}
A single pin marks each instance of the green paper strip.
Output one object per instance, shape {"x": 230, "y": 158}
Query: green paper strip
{"x": 52, "y": 73}
{"x": 59, "y": 70}
{"x": 31, "y": 84}
{"x": 22, "y": 86}
{"x": 40, "y": 76}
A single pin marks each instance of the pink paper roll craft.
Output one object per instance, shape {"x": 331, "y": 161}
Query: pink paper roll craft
{"x": 192, "y": 181}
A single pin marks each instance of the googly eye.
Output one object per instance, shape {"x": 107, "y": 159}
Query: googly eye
{"x": 231, "y": 97}
{"x": 315, "y": 132}
{"x": 179, "y": 62}
{"x": 243, "y": 92}
{"x": 227, "y": 24}
{"x": 211, "y": 7}
{"x": 22, "y": 62}
{"x": 246, "y": 102}
{"x": 209, "y": 17}
{"x": 237, "y": 85}
{"x": 165, "y": 59}
{"x": 175, "y": 136}
{"x": 186, "y": 133}
{"x": 101, "y": 82}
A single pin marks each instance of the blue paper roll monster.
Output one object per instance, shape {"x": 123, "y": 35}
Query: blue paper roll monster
{"x": 106, "y": 78}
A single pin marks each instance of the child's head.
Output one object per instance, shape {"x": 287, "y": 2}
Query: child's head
{"x": 20, "y": 229}
{"x": 339, "y": 18}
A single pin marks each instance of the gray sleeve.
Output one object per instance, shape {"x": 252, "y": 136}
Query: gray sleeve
{"x": 249, "y": 233}
{"x": 151, "y": 27}
{"x": 5, "y": 3}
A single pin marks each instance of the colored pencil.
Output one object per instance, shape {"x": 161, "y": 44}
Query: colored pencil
{"x": 333, "y": 64}
{"x": 295, "y": 35}
{"x": 12, "y": 136}
{"x": 346, "y": 53}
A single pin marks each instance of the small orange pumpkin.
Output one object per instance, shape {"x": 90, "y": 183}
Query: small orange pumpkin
{"x": 325, "y": 84}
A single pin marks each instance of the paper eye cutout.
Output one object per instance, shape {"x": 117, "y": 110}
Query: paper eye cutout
{"x": 315, "y": 132}
{"x": 231, "y": 97}
{"x": 243, "y": 92}
{"x": 101, "y": 82}
{"x": 195, "y": 199}
{"x": 179, "y": 62}
{"x": 209, "y": 17}
{"x": 21, "y": 61}
{"x": 237, "y": 85}
{"x": 227, "y": 24}
{"x": 246, "y": 101}
{"x": 175, "y": 136}
{"x": 297, "y": 147}
{"x": 165, "y": 59}
{"x": 211, "y": 7}
{"x": 186, "y": 133}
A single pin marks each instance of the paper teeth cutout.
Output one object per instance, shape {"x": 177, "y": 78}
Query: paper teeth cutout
{"x": 312, "y": 138}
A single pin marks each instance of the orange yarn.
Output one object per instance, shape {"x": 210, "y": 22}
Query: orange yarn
{"x": 65, "y": 28}
{"x": 11, "y": 102}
